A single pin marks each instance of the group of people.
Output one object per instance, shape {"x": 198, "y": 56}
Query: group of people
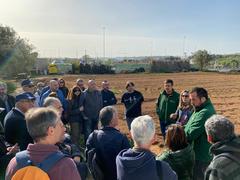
{"x": 198, "y": 143}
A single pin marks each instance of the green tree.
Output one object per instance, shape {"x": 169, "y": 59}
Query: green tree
{"x": 16, "y": 54}
{"x": 201, "y": 58}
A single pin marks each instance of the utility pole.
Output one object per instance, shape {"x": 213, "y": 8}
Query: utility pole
{"x": 184, "y": 53}
{"x": 104, "y": 43}
{"x": 85, "y": 56}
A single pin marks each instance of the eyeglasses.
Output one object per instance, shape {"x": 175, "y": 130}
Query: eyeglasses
{"x": 185, "y": 95}
{"x": 78, "y": 90}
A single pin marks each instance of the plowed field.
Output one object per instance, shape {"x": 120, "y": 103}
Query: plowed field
{"x": 224, "y": 91}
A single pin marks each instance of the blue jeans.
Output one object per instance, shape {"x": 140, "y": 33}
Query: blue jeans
{"x": 163, "y": 126}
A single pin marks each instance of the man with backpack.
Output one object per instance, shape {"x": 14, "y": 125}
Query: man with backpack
{"x": 225, "y": 149}
{"x": 104, "y": 145}
{"x": 139, "y": 162}
{"x": 43, "y": 160}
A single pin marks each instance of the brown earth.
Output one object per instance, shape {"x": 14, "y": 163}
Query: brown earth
{"x": 224, "y": 91}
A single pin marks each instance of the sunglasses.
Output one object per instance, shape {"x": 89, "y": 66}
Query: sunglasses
{"x": 185, "y": 95}
{"x": 78, "y": 90}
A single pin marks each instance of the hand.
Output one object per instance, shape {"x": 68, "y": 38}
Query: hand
{"x": 85, "y": 117}
{"x": 77, "y": 159}
{"x": 13, "y": 149}
{"x": 173, "y": 116}
{"x": 81, "y": 108}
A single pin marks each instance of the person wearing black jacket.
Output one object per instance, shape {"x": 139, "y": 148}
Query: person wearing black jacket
{"x": 75, "y": 114}
{"x": 14, "y": 123}
{"x": 108, "y": 142}
{"x": 7, "y": 152}
{"x": 7, "y": 102}
{"x": 132, "y": 100}
{"x": 108, "y": 96}
{"x": 72, "y": 150}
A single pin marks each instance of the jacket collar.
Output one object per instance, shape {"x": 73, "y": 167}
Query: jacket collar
{"x": 207, "y": 102}
{"x": 165, "y": 93}
{"x": 18, "y": 111}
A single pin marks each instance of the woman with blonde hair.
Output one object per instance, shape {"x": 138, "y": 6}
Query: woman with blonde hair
{"x": 184, "y": 110}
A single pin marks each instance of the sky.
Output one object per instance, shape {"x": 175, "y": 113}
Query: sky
{"x": 71, "y": 28}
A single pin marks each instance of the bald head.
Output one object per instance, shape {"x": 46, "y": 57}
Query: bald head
{"x": 91, "y": 85}
{"x": 105, "y": 85}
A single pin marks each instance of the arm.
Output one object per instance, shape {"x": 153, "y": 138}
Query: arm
{"x": 114, "y": 99}
{"x": 157, "y": 105}
{"x": 214, "y": 174}
{"x": 75, "y": 151}
{"x": 62, "y": 99}
{"x": 72, "y": 110}
{"x": 89, "y": 144}
{"x": 196, "y": 128}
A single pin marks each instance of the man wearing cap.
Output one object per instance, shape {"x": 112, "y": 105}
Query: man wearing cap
{"x": 108, "y": 96}
{"x": 27, "y": 86}
{"x": 15, "y": 124}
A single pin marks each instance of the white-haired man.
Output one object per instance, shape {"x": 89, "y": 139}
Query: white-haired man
{"x": 139, "y": 162}
{"x": 225, "y": 149}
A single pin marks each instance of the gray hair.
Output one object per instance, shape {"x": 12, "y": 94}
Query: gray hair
{"x": 49, "y": 101}
{"x": 3, "y": 85}
{"x": 106, "y": 115}
{"x": 219, "y": 128}
{"x": 38, "y": 121}
{"x": 142, "y": 130}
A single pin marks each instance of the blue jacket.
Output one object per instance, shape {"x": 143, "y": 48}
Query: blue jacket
{"x": 59, "y": 95}
{"x": 140, "y": 164}
{"x": 109, "y": 143}
{"x": 108, "y": 98}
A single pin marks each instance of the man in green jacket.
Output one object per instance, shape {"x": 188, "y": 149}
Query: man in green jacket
{"x": 167, "y": 104}
{"x": 195, "y": 130}
{"x": 225, "y": 149}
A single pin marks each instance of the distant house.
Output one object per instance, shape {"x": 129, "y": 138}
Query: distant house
{"x": 41, "y": 65}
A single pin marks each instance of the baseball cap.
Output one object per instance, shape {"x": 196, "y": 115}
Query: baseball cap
{"x": 27, "y": 82}
{"x": 25, "y": 96}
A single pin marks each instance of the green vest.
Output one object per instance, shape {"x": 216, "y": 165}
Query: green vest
{"x": 166, "y": 105}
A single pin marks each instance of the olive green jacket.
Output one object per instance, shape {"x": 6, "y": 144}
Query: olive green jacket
{"x": 222, "y": 167}
{"x": 181, "y": 161}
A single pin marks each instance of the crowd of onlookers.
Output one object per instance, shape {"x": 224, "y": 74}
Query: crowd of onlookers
{"x": 50, "y": 130}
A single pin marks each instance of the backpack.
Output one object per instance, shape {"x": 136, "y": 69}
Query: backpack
{"x": 233, "y": 157}
{"x": 92, "y": 163}
{"x": 27, "y": 170}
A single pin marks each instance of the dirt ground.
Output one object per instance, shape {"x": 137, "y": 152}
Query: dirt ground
{"x": 224, "y": 91}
